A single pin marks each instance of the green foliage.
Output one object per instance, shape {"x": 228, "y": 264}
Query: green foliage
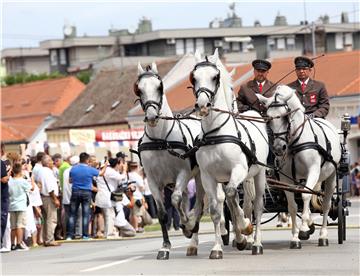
{"x": 25, "y": 78}
{"x": 84, "y": 76}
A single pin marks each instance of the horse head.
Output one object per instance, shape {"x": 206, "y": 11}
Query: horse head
{"x": 206, "y": 78}
{"x": 279, "y": 108}
{"x": 149, "y": 88}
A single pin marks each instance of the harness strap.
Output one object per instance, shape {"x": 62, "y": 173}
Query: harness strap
{"x": 221, "y": 139}
{"x": 252, "y": 144}
{"x": 215, "y": 129}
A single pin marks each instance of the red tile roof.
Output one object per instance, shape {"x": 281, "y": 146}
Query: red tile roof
{"x": 25, "y": 106}
{"x": 10, "y": 133}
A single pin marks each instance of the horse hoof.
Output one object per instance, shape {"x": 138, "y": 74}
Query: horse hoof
{"x": 241, "y": 245}
{"x": 304, "y": 235}
{"x": 191, "y": 251}
{"x": 249, "y": 246}
{"x": 163, "y": 255}
{"x": 234, "y": 243}
{"x": 216, "y": 255}
{"x": 256, "y": 250}
{"x": 225, "y": 239}
{"x": 323, "y": 242}
{"x": 295, "y": 245}
{"x": 248, "y": 230}
{"x": 188, "y": 234}
{"x": 312, "y": 229}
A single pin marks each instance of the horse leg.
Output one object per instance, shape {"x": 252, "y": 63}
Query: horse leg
{"x": 330, "y": 184}
{"x": 221, "y": 197}
{"x": 198, "y": 212}
{"x": 260, "y": 179}
{"x": 292, "y": 208}
{"x": 164, "y": 252}
{"x": 311, "y": 181}
{"x": 179, "y": 195}
{"x": 215, "y": 212}
{"x": 249, "y": 197}
{"x": 241, "y": 224}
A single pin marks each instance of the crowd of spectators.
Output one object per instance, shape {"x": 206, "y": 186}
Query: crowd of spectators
{"x": 49, "y": 198}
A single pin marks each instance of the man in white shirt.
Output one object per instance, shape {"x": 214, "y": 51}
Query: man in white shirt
{"x": 137, "y": 194}
{"x": 49, "y": 193}
{"x": 108, "y": 183}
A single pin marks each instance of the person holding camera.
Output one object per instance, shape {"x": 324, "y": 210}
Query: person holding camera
{"x": 107, "y": 184}
{"x": 136, "y": 196}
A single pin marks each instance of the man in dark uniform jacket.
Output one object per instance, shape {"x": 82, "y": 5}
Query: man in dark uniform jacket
{"x": 312, "y": 93}
{"x": 247, "y": 99}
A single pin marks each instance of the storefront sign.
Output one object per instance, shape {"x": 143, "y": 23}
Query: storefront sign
{"x": 81, "y": 136}
{"x": 119, "y": 135}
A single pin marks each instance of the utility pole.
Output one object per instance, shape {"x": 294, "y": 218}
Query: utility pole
{"x": 313, "y": 27}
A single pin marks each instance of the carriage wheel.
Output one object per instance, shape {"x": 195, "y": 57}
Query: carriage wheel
{"x": 341, "y": 221}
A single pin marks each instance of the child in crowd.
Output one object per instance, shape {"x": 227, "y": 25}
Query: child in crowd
{"x": 18, "y": 190}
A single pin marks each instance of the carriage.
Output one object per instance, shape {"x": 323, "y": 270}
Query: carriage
{"x": 275, "y": 200}
{"x": 220, "y": 162}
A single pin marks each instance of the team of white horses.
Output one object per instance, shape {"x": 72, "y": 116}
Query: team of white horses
{"x": 230, "y": 151}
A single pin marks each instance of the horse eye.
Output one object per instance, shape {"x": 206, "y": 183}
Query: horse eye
{"x": 214, "y": 78}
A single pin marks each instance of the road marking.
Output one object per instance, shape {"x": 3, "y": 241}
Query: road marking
{"x": 112, "y": 264}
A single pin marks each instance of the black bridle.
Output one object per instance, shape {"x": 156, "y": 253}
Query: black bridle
{"x": 209, "y": 93}
{"x": 285, "y": 134}
{"x": 150, "y": 103}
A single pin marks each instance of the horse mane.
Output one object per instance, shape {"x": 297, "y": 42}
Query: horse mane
{"x": 226, "y": 78}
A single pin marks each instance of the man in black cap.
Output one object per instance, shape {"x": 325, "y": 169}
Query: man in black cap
{"x": 247, "y": 99}
{"x": 312, "y": 93}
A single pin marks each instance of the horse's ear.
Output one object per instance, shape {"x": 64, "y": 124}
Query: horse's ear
{"x": 197, "y": 56}
{"x": 216, "y": 55}
{"x": 154, "y": 68}
{"x": 140, "y": 69}
{"x": 264, "y": 100}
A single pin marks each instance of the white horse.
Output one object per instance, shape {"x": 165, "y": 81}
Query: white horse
{"x": 302, "y": 144}
{"x": 226, "y": 152}
{"x": 162, "y": 141}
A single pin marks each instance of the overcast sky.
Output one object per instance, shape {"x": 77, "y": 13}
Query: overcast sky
{"x": 25, "y": 23}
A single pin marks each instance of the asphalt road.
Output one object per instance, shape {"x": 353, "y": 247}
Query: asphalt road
{"x": 138, "y": 256}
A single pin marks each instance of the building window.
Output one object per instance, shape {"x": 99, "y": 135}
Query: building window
{"x": 271, "y": 43}
{"x": 339, "y": 44}
{"x": 189, "y": 45}
{"x": 235, "y": 46}
{"x": 290, "y": 43}
{"x": 62, "y": 57}
{"x": 281, "y": 43}
{"x": 199, "y": 42}
{"x": 53, "y": 58}
{"x": 348, "y": 39}
{"x": 180, "y": 47}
